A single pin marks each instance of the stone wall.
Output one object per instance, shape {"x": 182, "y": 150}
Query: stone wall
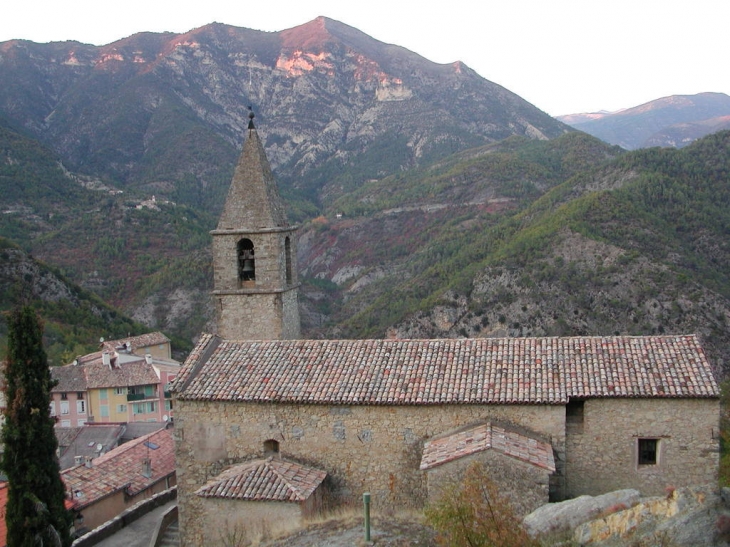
{"x": 524, "y": 486}
{"x": 362, "y": 448}
{"x": 602, "y": 451}
{"x": 233, "y": 522}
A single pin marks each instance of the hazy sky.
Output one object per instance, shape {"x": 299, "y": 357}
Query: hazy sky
{"x": 564, "y": 56}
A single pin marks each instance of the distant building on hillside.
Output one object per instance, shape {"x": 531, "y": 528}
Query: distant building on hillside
{"x": 126, "y": 381}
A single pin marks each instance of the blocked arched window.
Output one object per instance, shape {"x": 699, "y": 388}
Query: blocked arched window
{"x": 287, "y": 254}
{"x": 271, "y": 447}
{"x": 246, "y": 261}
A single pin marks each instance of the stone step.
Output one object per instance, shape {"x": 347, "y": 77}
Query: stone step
{"x": 171, "y": 537}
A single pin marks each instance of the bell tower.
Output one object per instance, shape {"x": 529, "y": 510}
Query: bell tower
{"x": 255, "y": 286}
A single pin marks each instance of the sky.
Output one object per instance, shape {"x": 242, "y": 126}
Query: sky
{"x": 563, "y": 56}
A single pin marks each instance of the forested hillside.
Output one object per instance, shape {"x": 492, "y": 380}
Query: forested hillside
{"x": 73, "y": 319}
{"x": 635, "y": 244}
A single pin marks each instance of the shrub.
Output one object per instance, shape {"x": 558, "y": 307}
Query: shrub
{"x": 473, "y": 513}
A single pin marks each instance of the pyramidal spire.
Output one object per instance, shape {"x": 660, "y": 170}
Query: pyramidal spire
{"x": 253, "y": 200}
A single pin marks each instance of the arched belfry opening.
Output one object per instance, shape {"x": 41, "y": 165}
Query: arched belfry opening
{"x": 246, "y": 261}
{"x": 287, "y": 255}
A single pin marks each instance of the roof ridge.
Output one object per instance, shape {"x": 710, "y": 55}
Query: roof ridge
{"x": 126, "y": 447}
{"x": 297, "y": 491}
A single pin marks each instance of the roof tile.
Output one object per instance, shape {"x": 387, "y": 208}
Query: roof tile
{"x": 265, "y": 480}
{"x": 453, "y": 371}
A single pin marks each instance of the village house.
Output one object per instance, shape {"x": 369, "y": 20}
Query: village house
{"x": 550, "y": 418}
{"x": 101, "y": 488}
{"x": 126, "y": 381}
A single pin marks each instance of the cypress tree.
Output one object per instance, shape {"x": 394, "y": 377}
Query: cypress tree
{"x": 35, "y": 514}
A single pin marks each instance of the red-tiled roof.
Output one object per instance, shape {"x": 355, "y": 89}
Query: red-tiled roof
{"x": 70, "y": 378}
{"x": 487, "y": 436}
{"x": 265, "y": 480}
{"x": 456, "y": 371}
{"x": 123, "y": 467}
{"x": 135, "y": 373}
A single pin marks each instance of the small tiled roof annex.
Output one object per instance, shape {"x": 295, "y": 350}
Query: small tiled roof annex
{"x": 484, "y": 437}
{"x": 264, "y": 480}
{"x": 453, "y": 371}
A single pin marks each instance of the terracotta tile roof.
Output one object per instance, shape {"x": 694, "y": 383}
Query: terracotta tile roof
{"x": 134, "y": 373}
{"x": 455, "y": 371}
{"x": 122, "y": 468}
{"x": 70, "y": 378}
{"x": 265, "y": 480}
{"x": 485, "y": 437}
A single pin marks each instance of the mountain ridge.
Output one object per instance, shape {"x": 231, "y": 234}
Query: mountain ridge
{"x": 674, "y": 121}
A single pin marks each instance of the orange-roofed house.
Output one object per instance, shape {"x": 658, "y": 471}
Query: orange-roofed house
{"x": 103, "y": 487}
{"x": 124, "y": 382}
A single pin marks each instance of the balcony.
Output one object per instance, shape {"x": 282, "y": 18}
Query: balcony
{"x": 141, "y": 396}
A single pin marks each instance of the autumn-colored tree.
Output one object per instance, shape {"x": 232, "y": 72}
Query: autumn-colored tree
{"x": 473, "y": 513}
{"x": 35, "y": 515}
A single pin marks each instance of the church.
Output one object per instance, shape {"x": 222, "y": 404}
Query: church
{"x": 271, "y": 428}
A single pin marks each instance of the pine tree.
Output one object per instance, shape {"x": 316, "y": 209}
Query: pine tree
{"x": 35, "y": 513}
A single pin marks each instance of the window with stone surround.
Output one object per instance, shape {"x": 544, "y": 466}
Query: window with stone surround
{"x": 648, "y": 451}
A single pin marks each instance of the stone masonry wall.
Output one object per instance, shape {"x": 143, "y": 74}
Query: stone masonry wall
{"x": 524, "y": 486}
{"x": 233, "y": 522}
{"x": 362, "y": 448}
{"x": 604, "y": 456}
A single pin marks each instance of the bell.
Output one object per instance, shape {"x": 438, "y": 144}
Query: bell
{"x": 247, "y": 268}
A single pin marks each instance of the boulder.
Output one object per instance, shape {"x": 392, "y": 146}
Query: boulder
{"x": 568, "y": 515}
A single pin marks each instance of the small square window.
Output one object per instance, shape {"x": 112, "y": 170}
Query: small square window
{"x": 648, "y": 451}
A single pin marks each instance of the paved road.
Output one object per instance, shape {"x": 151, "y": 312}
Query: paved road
{"x": 139, "y": 533}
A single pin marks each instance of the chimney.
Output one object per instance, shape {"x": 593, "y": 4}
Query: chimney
{"x": 148, "y": 358}
{"x": 106, "y": 359}
{"x": 87, "y": 461}
{"x": 78, "y": 460}
{"x": 147, "y": 468}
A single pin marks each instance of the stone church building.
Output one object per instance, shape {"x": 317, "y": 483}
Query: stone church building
{"x": 270, "y": 427}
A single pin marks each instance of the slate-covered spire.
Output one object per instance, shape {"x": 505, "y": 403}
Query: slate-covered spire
{"x": 253, "y": 201}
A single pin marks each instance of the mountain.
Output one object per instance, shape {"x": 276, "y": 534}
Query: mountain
{"x": 166, "y": 113}
{"x": 432, "y": 202}
{"x": 73, "y": 318}
{"x": 672, "y": 121}
{"x": 147, "y": 256}
{"x": 564, "y": 237}
{"x": 135, "y": 143}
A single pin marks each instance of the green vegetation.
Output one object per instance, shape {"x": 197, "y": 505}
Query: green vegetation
{"x": 74, "y": 318}
{"x": 35, "y": 512}
{"x": 474, "y": 512}
{"x": 671, "y": 207}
